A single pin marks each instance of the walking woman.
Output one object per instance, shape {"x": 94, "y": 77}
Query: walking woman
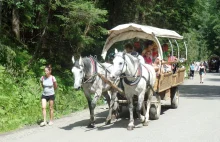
{"x": 201, "y": 71}
{"x": 192, "y": 68}
{"x": 49, "y": 84}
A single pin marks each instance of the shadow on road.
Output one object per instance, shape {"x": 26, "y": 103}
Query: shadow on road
{"x": 121, "y": 122}
{"x": 100, "y": 118}
{"x": 187, "y": 91}
{"x": 213, "y": 79}
{"x": 201, "y": 91}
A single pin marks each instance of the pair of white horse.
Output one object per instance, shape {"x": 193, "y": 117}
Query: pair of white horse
{"x": 138, "y": 79}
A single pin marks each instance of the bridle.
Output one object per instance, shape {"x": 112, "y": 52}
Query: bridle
{"x": 124, "y": 76}
{"x": 94, "y": 72}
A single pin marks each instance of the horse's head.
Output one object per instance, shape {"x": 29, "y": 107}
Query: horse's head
{"x": 78, "y": 72}
{"x": 119, "y": 65}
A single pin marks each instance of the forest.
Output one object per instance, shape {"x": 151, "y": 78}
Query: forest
{"x": 34, "y": 33}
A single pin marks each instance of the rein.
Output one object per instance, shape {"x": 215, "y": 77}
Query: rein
{"x": 94, "y": 62}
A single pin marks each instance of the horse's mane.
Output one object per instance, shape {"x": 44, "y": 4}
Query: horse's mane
{"x": 87, "y": 65}
{"x": 76, "y": 64}
{"x": 133, "y": 59}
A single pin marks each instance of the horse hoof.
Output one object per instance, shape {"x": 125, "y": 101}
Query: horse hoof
{"x": 91, "y": 126}
{"x": 146, "y": 123}
{"x": 107, "y": 122}
{"x": 113, "y": 117}
{"x": 129, "y": 128}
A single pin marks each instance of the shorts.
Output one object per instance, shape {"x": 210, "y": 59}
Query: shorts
{"x": 51, "y": 97}
{"x": 201, "y": 73}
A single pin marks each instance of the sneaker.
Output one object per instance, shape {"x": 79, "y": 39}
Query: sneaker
{"x": 43, "y": 124}
{"x": 50, "y": 123}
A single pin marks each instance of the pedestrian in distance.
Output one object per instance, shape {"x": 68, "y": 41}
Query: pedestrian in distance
{"x": 202, "y": 72}
{"x": 49, "y": 84}
{"x": 192, "y": 69}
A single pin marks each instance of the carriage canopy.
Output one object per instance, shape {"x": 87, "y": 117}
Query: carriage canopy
{"x": 131, "y": 30}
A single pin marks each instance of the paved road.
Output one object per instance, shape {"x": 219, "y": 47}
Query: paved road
{"x": 197, "y": 119}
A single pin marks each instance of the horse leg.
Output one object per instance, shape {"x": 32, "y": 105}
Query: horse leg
{"x": 140, "y": 104}
{"x": 92, "y": 106}
{"x": 149, "y": 96}
{"x": 112, "y": 103}
{"x": 130, "y": 106}
{"x": 107, "y": 97}
{"x": 92, "y": 122}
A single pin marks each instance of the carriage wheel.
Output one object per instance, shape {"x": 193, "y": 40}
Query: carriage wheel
{"x": 155, "y": 108}
{"x": 174, "y": 97}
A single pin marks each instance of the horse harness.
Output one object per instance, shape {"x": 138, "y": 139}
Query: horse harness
{"x": 139, "y": 75}
{"x": 95, "y": 73}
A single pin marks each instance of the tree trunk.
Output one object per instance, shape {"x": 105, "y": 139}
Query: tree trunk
{"x": 15, "y": 23}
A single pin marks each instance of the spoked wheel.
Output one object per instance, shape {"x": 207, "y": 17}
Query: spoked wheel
{"x": 155, "y": 108}
{"x": 174, "y": 97}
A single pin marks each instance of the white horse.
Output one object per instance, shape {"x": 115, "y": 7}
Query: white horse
{"x": 138, "y": 80}
{"x": 85, "y": 74}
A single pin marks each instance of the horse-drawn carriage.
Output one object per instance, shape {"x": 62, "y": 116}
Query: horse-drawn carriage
{"x": 166, "y": 85}
{"x": 138, "y": 83}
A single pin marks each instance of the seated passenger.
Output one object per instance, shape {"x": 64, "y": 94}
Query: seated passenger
{"x": 148, "y": 47}
{"x": 171, "y": 58}
{"x": 137, "y": 47}
{"x": 129, "y": 49}
{"x": 165, "y": 50}
{"x": 154, "y": 52}
{"x": 167, "y": 68}
{"x": 157, "y": 66}
{"x": 147, "y": 58}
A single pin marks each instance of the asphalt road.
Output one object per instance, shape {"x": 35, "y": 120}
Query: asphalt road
{"x": 197, "y": 119}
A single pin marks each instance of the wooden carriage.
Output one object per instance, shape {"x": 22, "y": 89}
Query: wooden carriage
{"x": 166, "y": 85}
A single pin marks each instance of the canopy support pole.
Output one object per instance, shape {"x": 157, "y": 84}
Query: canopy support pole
{"x": 178, "y": 50}
{"x": 171, "y": 46}
{"x": 185, "y": 48}
{"x": 159, "y": 47}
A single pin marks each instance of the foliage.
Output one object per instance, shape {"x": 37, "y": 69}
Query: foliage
{"x": 20, "y": 93}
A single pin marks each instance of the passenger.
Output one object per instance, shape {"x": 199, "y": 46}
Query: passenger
{"x": 165, "y": 51}
{"x": 157, "y": 66}
{"x": 167, "y": 67}
{"x": 129, "y": 49}
{"x": 171, "y": 58}
{"x": 147, "y": 58}
{"x": 154, "y": 52}
{"x": 137, "y": 47}
{"x": 148, "y": 47}
{"x": 175, "y": 65}
{"x": 172, "y": 62}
